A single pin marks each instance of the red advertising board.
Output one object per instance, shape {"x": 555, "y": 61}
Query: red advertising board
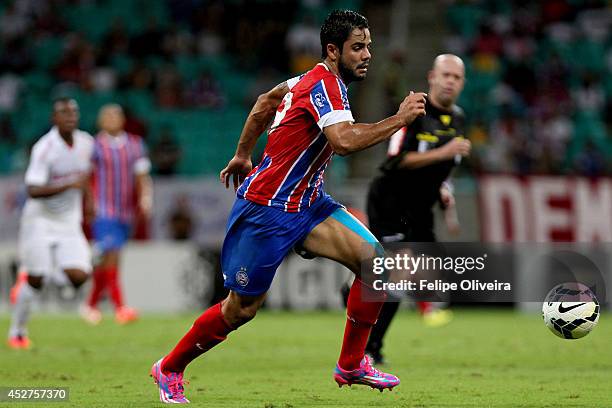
{"x": 545, "y": 209}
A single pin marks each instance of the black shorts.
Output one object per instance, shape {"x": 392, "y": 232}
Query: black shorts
{"x": 391, "y": 219}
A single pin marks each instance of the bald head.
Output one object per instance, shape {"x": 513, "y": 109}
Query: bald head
{"x": 111, "y": 119}
{"x": 446, "y": 80}
{"x": 444, "y": 60}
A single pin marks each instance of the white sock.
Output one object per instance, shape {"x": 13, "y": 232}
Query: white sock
{"x": 21, "y": 312}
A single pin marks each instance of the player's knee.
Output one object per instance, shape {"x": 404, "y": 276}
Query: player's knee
{"x": 77, "y": 277}
{"x": 110, "y": 259}
{"x": 246, "y": 314}
{"x": 239, "y": 310}
{"x": 353, "y": 263}
{"x": 237, "y": 315}
{"x": 35, "y": 281}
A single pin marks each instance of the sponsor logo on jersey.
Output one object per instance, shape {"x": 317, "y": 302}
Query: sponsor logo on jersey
{"x": 320, "y": 99}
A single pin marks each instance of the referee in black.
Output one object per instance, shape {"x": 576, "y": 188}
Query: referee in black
{"x": 415, "y": 177}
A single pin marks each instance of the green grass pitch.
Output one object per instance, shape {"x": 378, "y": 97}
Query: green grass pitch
{"x": 486, "y": 358}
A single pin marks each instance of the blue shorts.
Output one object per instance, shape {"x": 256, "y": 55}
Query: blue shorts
{"x": 110, "y": 233}
{"x": 259, "y": 237}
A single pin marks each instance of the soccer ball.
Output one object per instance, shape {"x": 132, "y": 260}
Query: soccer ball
{"x": 571, "y": 310}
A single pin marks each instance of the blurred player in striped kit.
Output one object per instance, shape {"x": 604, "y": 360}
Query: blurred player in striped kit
{"x": 122, "y": 186}
{"x": 281, "y": 205}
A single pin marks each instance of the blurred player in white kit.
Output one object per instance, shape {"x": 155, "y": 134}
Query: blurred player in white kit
{"x": 51, "y": 236}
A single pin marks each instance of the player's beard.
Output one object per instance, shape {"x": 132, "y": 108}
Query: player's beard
{"x": 349, "y": 75}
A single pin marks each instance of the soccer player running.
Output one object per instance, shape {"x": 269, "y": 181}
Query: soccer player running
{"x": 50, "y": 235}
{"x": 281, "y": 204}
{"x": 415, "y": 176}
{"x": 121, "y": 181}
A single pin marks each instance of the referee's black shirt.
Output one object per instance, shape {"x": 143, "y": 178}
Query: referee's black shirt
{"x": 401, "y": 199}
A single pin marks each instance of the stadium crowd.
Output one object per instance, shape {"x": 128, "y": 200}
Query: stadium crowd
{"x": 184, "y": 70}
{"x": 538, "y": 95}
{"x": 539, "y": 89}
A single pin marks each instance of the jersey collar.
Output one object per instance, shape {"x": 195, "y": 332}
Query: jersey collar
{"x": 329, "y": 70}
{"x": 115, "y": 141}
{"x": 55, "y": 134}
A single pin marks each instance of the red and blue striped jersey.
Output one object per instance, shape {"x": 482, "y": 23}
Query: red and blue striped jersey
{"x": 290, "y": 174}
{"x": 116, "y": 161}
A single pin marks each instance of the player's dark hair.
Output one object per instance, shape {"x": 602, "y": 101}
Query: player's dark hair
{"x": 338, "y": 26}
{"x": 61, "y": 99}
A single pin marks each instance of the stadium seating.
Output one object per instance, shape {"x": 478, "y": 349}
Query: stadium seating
{"x": 207, "y": 135}
{"x": 536, "y": 36}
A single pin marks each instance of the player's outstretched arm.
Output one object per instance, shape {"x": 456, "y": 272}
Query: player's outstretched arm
{"x": 457, "y": 146}
{"x": 346, "y": 137}
{"x": 144, "y": 192}
{"x": 256, "y": 123}
{"x": 35, "y": 191}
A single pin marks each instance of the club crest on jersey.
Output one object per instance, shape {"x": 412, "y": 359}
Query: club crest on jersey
{"x": 241, "y": 277}
{"x": 319, "y": 99}
{"x": 445, "y": 119}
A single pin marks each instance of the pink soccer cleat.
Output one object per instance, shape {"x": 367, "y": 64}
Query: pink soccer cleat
{"x": 90, "y": 314}
{"x": 171, "y": 387}
{"x": 125, "y": 315}
{"x": 19, "y": 342}
{"x": 366, "y": 375}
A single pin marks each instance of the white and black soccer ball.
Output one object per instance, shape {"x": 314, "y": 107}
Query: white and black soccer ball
{"x": 570, "y": 310}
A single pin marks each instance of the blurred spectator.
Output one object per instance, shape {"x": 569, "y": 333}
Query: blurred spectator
{"x": 266, "y": 79}
{"x": 394, "y": 80}
{"x": 116, "y": 40}
{"x": 103, "y": 79}
{"x": 207, "y": 22}
{"x": 7, "y": 133}
{"x": 478, "y": 135}
{"x": 590, "y": 161}
{"x": 205, "y": 92}
{"x": 10, "y": 88}
{"x": 77, "y": 62}
{"x": 13, "y": 23}
{"x": 16, "y": 56}
{"x": 589, "y": 97}
{"x": 166, "y": 154}
{"x": 48, "y": 20}
{"x": 304, "y": 45}
{"x": 180, "y": 220}
{"x": 555, "y": 10}
{"x": 554, "y": 132}
{"x": 133, "y": 124}
{"x": 176, "y": 42}
{"x": 169, "y": 89}
{"x": 149, "y": 41}
{"x": 140, "y": 76}
{"x": 488, "y": 42}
